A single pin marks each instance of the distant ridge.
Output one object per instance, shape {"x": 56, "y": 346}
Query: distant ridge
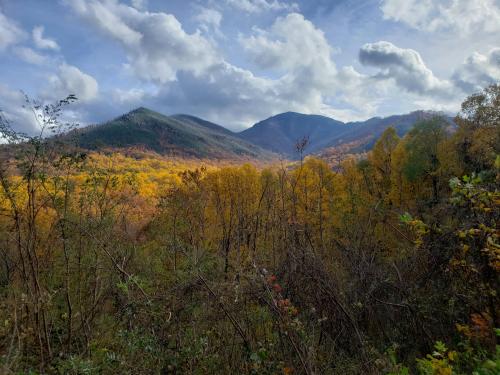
{"x": 190, "y": 136}
{"x": 370, "y": 130}
{"x": 281, "y": 132}
{"x": 178, "y": 135}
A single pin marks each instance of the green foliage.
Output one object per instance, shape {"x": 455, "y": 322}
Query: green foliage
{"x": 423, "y": 149}
{"x": 467, "y": 359}
{"x": 396, "y": 368}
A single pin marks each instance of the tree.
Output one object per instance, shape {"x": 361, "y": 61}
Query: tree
{"x": 423, "y": 147}
{"x": 37, "y": 158}
{"x": 478, "y": 135}
{"x": 381, "y": 159}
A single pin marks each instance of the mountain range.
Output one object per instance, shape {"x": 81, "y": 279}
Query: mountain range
{"x": 178, "y": 135}
{"x": 189, "y": 136}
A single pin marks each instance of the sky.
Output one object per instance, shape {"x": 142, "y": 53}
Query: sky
{"x": 236, "y": 62}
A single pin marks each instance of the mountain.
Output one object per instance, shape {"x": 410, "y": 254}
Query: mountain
{"x": 281, "y": 132}
{"x": 179, "y": 135}
{"x": 189, "y": 136}
{"x": 370, "y": 130}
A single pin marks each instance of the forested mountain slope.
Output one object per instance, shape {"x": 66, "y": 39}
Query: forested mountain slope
{"x": 189, "y": 136}
{"x": 179, "y": 135}
{"x": 280, "y": 133}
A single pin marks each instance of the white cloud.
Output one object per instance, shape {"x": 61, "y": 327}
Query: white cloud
{"x": 405, "y": 67}
{"x": 10, "y": 32}
{"x": 192, "y": 78}
{"x": 106, "y": 15}
{"x": 409, "y": 72}
{"x": 429, "y": 103}
{"x": 29, "y": 55}
{"x": 361, "y": 93}
{"x": 23, "y": 118}
{"x": 478, "y": 71}
{"x": 185, "y": 72}
{"x": 209, "y": 20}
{"x": 299, "y": 51}
{"x": 71, "y": 80}
{"x": 458, "y": 16}
{"x": 41, "y": 42}
{"x": 292, "y": 44}
{"x": 139, "y": 4}
{"x": 156, "y": 44}
{"x": 12, "y": 104}
{"x": 128, "y": 96}
{"x": 237, "y": 98}
{"x": 226, "y": 94}
{"x": 257, "y": 6}
{"x": 307, "y": 79}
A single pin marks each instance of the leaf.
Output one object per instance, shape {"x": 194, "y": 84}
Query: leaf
{"x": 440, "y": 347}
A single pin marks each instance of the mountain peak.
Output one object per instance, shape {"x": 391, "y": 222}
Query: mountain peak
{"x": 298, "y": 115}
{"x": 281, "y": 132}
{"x": 141, "y": 110}
{"x": 187, "y": 136}
{"x": 139, "y": 116}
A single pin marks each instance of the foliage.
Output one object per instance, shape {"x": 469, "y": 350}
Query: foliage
{"x": 133, "y": 263}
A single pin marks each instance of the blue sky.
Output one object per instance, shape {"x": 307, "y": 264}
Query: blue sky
{"x": 236, "y": 62}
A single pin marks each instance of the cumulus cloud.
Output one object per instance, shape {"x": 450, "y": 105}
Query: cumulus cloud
{"x": 292, "y": 43}
{"x": 237, "y": 97}
{"x": 12, "y": 106}
{"x": 257, "y": 6}
{"x": 23, "y": 118}
{"x": 131, "y": 96}
{"x": 209, "y": 20}
{"x": 478, "y": 71}
{"x": 296, "y": 49}
{"x": 189, "y": 75}
{"x": 10, "y": 32}
{"x": 458, "y": 16}
{"x": 229, "y": 95}
{"x": 41, "y": 42}
{"x": 139, "y": 4}
{"x": 156, "y": 44}
{"x": 29, "y": 55}
{"x": 307, "y": 78}
{"x": 405, "y": 67}
{"x": 361, "y": 94}
{"x": 71, "y": 80}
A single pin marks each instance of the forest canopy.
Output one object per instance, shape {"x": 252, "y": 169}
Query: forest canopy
{"x": 390, "y": 264}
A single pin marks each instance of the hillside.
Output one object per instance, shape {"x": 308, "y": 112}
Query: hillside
{"x": 192, "y": 137}
{"x": 368, "y": 131}
{"x": 280, "y": 133}
{"x": 179, "y": 135}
